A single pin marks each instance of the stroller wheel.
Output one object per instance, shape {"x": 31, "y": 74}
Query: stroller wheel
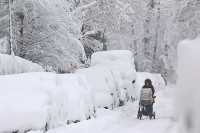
{"x": 150, "y": 116}
{"x": 140, "y": 116}
{"x": 154, "y": 115}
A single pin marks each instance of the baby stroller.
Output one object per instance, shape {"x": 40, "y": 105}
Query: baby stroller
{"x": 146, "y": 104}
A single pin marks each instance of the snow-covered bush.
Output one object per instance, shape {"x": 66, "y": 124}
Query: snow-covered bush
{"x": 42, "y": 100}
{"x": 14, "y": 64}
{"x": 157, "y": 81}
{"x": 118, "y": 70}
{"x": 188, "y": 91}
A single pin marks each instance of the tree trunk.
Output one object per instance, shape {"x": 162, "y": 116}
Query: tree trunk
{"x": 104, "y": 42}
{"x": 21, "y": 31}
{"x": 156, "y": 44}
{"x": 10, "y": 28}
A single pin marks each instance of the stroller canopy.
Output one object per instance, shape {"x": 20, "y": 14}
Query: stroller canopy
{"x": 146, "y": 96}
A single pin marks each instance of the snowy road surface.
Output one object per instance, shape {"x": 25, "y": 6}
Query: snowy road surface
{"x": 123, "y": 120}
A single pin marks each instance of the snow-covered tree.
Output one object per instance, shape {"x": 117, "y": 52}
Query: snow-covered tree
{"x": 56, "y": 33}
{"x": 4, "y": 25}
{"x": 167, "y": 22}
{"x": 180, "y": 20}
{"x": 111, "y": 23}
{"x": 48, "y": 32}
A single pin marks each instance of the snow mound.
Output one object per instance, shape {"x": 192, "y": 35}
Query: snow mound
{"x": 118, "y": 70}
{"x": 14, "y": 64}
{"x": 157, "y": 81}
{"x": 42, "y": 100}
{"x": 188, "y": 92}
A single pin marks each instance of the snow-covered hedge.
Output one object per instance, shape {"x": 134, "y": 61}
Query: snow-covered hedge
{"x": 117, "y": 71}
{"x": 33, "y": 101}
{"x": 157, "y": 81}
{"x": 14, "y": 64}
{"x": 188, "y": 88}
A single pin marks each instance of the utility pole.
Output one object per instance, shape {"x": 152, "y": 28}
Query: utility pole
{"x": 10, "y": 28}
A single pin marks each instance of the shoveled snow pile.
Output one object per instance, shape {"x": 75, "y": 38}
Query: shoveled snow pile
{"x": 157, "y": 81}
{"x": 14, "y": 64}
{"x": 188, "y": 91}
{"x": 117, "y": 70}
{"x": 35, "y": 101}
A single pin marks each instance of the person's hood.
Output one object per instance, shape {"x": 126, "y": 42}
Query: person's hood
{"x": 148, "y": 80}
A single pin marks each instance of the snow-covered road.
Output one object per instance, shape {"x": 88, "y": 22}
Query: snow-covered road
{"x": 123, "y": 120}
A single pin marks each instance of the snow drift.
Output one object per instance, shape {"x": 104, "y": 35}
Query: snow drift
{"x": 35, "y": 101}
{"x": 188, "y": 91}
{"x": 14, "y": 64}
{"x": 117, "y": 69}
{"x": 157, "y": 81}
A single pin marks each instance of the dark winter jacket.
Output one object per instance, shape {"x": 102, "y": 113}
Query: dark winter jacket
{"x": 150, "y": 86}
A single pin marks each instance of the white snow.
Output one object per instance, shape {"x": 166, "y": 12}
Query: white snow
{"x": 35, "y": 101}
{"x": 117, "y": 69}
{"x": 100, "y": 91}
{"x": 99, "y": 86}
{"x": 123, "y": 119}
{"x": 36, "y": 131}
{"x": 32, "y": 100}
{"x": 113, "y": 55}
{"x": 14, "y": 64}
{"x": 90, "y": 32}
{"x": 188, "y": 92}
{"x": 157, "y": 81}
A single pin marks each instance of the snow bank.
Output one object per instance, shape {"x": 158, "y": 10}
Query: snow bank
{"x": 157, "y": 81}
{"x": 188, "y": 91}
{"x": 118, "y": 70}
{"x": 42, "y": 100}
{"x": 14, "y": 64}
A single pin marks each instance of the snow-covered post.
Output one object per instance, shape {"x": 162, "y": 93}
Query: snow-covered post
{"x": 10, "y": 28}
